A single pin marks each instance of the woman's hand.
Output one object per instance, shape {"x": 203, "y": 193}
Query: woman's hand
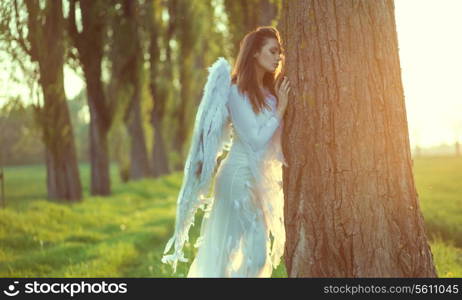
{"x": 282, "y": 91}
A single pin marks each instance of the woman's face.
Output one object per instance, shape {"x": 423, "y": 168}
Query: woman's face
{"x": 269, "y": 56}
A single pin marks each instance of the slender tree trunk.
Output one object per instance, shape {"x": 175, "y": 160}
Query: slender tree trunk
{"x": 159, "y": 162}
{"x": 63, "y": 180}
{"x": 99, "y": 154}
{"x": 89, "y": 43}
{"x": 159, "y": 156}
{"x": 183, "y": 108}
{"x": 351, "y": 209}
{"x": 100, "y": 120}
{"x": 139, "y": 162}
{"x": 46, "y": 37}
{"x": 186, "y": 40}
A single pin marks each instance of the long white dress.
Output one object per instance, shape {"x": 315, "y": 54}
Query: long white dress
{"x": 242, "y": 232}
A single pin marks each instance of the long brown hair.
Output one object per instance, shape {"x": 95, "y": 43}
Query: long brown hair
{"x": 244, "y": 74}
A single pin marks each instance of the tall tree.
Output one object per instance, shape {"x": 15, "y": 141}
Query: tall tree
{"x": 198, "y": 46}
{"x": 45, "y": 45}
{"x": 170, "y": 71}
{"x": 351, "y": 209}
{"x": 168, "y": 81}
{"x": 186, "y": 40}
{"x": 119, "y": 58}
{"x": 90, "y": 43}
{"x": 158, "y": 88}
{"x": 139, "y": 161}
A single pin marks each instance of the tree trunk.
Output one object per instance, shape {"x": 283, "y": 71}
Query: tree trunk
{"x": 351, "y": 204}
{"x": 159, "y": 162}
{"x": 99, "y": 155}
{"x": 159, "y": 156}
{"x": 184, "y": 107}
{"x": 46, "y": 37}
{"x": 98, "y": 129}
{"x": 90, "y": 44}
{"x": 267, "y": 12}
{"x": 185, "y": 32}
{"x": 63, "y": 181}
{"x": 139, "y": 161}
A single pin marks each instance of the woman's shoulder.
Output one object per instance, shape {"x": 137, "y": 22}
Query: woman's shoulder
{"x": 234, "y": 87}
{"x": 235, "y": 92}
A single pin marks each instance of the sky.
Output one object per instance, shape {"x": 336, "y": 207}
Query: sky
{"x": 430, "y": 49}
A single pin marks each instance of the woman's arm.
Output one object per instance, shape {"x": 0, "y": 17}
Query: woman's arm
{"x": 245, "y": 121}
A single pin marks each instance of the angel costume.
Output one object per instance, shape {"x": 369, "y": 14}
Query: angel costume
{"x": 242, "y": 232}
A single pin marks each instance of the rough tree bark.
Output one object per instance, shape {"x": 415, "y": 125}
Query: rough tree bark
{"x": 90, "y": 45}
{"x": 351, "y": 209}
{"x": 46, "y": 40}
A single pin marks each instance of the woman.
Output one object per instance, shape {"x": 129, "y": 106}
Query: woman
{"x": 242, "y": 233}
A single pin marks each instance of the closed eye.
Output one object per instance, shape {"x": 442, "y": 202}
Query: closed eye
{"x": 274, "y": 50}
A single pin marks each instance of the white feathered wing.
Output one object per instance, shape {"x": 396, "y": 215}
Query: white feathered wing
{"x": 210, "y": 135}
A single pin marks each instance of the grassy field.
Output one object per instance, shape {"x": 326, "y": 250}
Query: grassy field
{"x": 124, "y": 235}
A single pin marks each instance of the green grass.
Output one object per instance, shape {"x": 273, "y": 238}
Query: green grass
{"x": 124, "y": 235}
{"x": 439, "y": 185}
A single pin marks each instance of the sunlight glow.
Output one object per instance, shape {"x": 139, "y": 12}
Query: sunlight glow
{"x": 430, "y": 46}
